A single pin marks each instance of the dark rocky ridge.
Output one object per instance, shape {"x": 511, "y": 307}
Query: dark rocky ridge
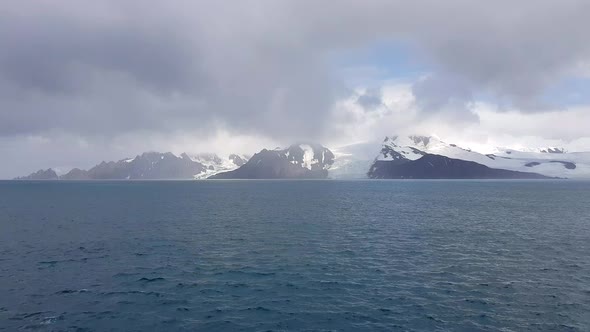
{"x": 554, "y": 150}
{"x": 48, "y": 174}
{"x": 432, "y": 166}
{"x": 566, "y": 164}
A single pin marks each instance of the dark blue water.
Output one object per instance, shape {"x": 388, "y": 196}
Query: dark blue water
{"x": 295, "y": 255}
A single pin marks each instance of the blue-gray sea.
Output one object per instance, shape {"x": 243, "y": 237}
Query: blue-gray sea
{"x": 295, "y": 255}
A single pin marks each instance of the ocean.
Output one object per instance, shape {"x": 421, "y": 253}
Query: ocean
{"x": 320, "y": 255}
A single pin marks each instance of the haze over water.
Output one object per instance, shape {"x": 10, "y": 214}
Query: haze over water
{"x": 295, "y": 255}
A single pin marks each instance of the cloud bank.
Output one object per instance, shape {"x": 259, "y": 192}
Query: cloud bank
{"x": 103, "y": 72}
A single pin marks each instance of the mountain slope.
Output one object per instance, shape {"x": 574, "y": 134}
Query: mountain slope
{"x": 76, "y": 174}
{"x": 431, "y": 166}
{"x": 48, "y": 174}
{"x": 147, "y": 166}
{"x": 299, "y": 161}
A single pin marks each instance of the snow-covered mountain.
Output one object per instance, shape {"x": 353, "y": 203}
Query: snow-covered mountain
{"x": 551, "y": 162}
{"x": 298, "y": 161}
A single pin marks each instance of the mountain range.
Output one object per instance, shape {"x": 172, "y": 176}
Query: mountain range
{"x": 298, "y": 161}
{"x": 150, "y": 166}
{"x": 397, "y": 157}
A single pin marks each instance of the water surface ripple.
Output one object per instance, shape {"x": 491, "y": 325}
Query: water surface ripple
{"x": 295, "y": 255}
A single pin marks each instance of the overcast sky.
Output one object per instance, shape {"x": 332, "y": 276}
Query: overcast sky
{"x": 82, "y": 82}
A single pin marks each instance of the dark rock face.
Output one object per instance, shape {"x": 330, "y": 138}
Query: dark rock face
{"x": 237, "y": 160}
{"x": 432, "y": 166}
{"x": 420, "y": 139}
{"x": 553, "y": 150}
{"x": 47, "y": 174}
{"x": 388, "y": 152}
{"x": 302, "y": 161}
{"x": 566, "y": 164}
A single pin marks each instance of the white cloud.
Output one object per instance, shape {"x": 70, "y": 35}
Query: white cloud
{"x": 495, "y": 127}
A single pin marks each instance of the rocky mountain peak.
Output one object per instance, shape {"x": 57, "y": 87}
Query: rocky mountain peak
{"x": 48, "y": 174}
{"x": 301, "y": 160}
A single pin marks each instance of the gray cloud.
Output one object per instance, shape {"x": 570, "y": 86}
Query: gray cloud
{"x": 447, "y": 95}
{"x": 263, "y": 66}
{"x": 371, "y": 99}
{"x": 172, "y": 68}
{"x": 433, "y": 92}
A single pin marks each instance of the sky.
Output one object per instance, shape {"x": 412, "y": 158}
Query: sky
{"x": 82, "y": 82}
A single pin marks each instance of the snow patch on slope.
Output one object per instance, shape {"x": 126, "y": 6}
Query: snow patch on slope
{"x": 308, "y": 154}
{"x": 214, "y": 164}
